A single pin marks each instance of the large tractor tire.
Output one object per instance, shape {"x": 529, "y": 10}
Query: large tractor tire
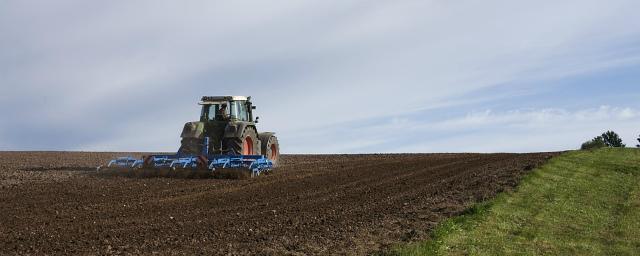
{"x": 247, "y": 144}
{"x": 191, "y": 146}
{"x": 270, "y": 147}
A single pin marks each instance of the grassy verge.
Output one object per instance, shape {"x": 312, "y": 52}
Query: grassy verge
{"x": 580, "y": 203}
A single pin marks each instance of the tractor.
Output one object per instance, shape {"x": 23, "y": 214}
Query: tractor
{"x": 225, "y": 139}
{"x": 229, "y": 123}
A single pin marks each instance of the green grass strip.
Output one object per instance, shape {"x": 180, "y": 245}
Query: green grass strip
{"x": 580, "y": 203}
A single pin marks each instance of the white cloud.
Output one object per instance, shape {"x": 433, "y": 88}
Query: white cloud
{"x": 520, "y": 130}
{"x": 543, "y": 117}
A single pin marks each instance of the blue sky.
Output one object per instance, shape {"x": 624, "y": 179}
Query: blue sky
{"x": 327, "y": 76}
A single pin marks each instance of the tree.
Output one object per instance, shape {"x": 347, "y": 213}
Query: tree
{"x": 597, "y": 142}
{"x": 638, "y": 141}
{"x": 611, "y": 139}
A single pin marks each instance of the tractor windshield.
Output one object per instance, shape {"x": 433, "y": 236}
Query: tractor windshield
{"x": 215, "y": 112}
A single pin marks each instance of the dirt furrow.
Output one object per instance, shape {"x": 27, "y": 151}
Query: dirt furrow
{"x": 53, "y": 203}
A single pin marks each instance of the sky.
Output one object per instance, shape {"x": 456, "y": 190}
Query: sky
{"x": 331, "y": 76}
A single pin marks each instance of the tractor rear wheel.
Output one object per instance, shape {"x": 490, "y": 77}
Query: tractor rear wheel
{"x": 270, "y": 147}
{"x": 247, "y": 144}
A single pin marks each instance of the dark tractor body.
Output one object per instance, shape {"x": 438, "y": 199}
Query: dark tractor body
{"x": 230, "y": 126}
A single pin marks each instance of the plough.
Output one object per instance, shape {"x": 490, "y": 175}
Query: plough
{"x": 188, "y": 165}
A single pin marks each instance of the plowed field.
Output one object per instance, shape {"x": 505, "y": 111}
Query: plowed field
{"x": 54, "y": 203}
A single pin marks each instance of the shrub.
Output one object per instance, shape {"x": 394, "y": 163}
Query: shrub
{"x": 611, "y": 139}
{"x": 597, "y": 142}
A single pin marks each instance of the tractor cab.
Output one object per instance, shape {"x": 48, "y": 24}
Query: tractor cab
{"x": 226, "y": 108}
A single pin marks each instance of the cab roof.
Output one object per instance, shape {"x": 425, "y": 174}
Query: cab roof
{"x": 214, "y": 99}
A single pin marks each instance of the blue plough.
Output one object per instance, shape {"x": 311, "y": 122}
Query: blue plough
{"x": 254, "y": 164}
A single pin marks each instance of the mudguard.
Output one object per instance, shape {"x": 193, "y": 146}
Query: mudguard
{"x": 235, "y": 129}
{"x": 266, "y": 134}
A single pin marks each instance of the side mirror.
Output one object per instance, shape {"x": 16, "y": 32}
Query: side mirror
{"x": 253, "y": 107}
{"x": 257, "y": 118}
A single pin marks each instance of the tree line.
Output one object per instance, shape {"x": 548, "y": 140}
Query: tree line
{"x": 607, "y": 139}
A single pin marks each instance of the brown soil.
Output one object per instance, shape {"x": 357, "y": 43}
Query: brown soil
{"x": 54, "y": 203}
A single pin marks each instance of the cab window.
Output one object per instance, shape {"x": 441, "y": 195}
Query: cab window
{"x": 239, "y": 111}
